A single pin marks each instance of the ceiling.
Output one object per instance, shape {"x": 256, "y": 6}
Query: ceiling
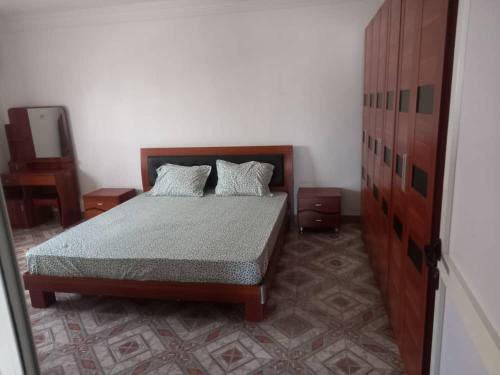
{"x": 13, "y": 8}
{"x": 18, "y": 7}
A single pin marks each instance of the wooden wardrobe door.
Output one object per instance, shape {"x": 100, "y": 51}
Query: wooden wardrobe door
{"x": 366, "y": 118}
{"x": 370, "y": 205}
{"x": 394, "y": 225}
{"x": 366, "y": 130}
{"x": 408, "y": 57}
{"x": 424, "y": 181}
{"x": 386, "y": 135}
{"x": 380, "y": 251}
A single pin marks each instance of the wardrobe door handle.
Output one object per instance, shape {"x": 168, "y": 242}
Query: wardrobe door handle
{"x": 318, "y": 220}
{"x": 100, "y": 203}
{"x": 403, "y": 177}
{"x": 318, "y": 205}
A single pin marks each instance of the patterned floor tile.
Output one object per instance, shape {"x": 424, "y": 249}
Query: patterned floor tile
{"x": 324, "y": 315}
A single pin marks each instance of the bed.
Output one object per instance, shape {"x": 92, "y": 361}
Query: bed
{"x": 221, "y": 249}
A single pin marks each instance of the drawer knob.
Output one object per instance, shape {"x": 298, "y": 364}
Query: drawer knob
{"x": 100, "y": 203}
{"x": 318, "y": 205}
{"x": 318, "y": 220}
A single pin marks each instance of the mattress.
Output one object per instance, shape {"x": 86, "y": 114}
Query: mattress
{"x": 186, "y": 239}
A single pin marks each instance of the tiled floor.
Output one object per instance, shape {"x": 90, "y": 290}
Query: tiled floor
{"x": 324, "y": 316}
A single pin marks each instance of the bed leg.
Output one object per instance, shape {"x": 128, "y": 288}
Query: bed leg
{"x": 41, "y": 299}
{"x": 254, "y": 312}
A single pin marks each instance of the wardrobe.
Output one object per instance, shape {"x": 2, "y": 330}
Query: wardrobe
{"x": 407, "y": 80}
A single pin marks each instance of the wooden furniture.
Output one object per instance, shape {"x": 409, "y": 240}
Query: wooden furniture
{"x": 102, "y": 200}
{"x": 407, "y": 80}
{"x": 42, "y": 288}
{"x": 42, "y": 172}
{"x": 31, "y": 193}
{"x": 319, "y": 208}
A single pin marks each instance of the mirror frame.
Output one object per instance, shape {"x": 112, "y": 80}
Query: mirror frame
{"x": 20, "y": 138}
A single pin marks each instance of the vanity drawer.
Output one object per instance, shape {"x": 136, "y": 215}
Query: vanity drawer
{"x": 320, "y": 204}
{"x": 41, "y": 179}
{"x": 28, "y": 179}
{"x": 314, "y": 219}
{"x": 100, "y": 203}
{"x": 10, "y": 180}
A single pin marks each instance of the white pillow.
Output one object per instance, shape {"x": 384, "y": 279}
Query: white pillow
{"x": 251, "y": 178}
{"x": 177, "y": 180}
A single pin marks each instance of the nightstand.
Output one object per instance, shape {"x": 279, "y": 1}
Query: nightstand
{"x": 102, "y": 200}
{"x": 319, "y": 208}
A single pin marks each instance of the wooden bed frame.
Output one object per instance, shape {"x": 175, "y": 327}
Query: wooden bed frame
{"x": 42, "y": 288}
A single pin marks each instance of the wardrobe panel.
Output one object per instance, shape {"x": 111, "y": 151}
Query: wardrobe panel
{"x": 366, "y": 137}
{"x": 426, "y": 127}
{"x": 394, "y": 7}
{"x": 373, "y": 90}
{"x": 365, "y": 125}
{"x": 407, "y": 50}
{"x": 380, "y": 105}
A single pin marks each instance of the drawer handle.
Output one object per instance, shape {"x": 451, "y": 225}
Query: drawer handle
{"x": 318, "y": 205}
{"x": 318, "y": 220}
{"x": 100, "y": 203}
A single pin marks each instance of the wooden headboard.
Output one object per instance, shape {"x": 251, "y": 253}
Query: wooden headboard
{"x": 280, "y": 156}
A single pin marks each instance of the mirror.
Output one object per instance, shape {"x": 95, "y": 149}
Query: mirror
{"x": 49, "y": 131}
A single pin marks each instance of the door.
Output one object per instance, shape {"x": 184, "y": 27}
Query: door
{"x": 425, "y": 77}
{"x": 18, "y": 354}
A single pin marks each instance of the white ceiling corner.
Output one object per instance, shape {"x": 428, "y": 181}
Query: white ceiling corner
{"x": 22, "y": 15}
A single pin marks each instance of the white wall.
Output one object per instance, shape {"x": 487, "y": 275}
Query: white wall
{"x": 460, "y": 355}
{"x": 251, "y": 75}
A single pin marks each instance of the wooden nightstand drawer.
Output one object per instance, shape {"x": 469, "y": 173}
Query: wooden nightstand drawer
{"x": 321, "y": 204}
{"x": 90, "y": 213}
{"x": 313, "y": 219}
{"x": 101, "y": 203}
{"x": 102, "y": 200}
{"x": 319, "y": 208}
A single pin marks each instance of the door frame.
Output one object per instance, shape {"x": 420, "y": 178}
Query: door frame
{"x": 451, "y": 282}
{"x": 26, "y": 359}
{"x": 449, "y": 179}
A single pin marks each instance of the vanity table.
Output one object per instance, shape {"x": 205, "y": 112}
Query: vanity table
{"x": 42, "y": 174}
